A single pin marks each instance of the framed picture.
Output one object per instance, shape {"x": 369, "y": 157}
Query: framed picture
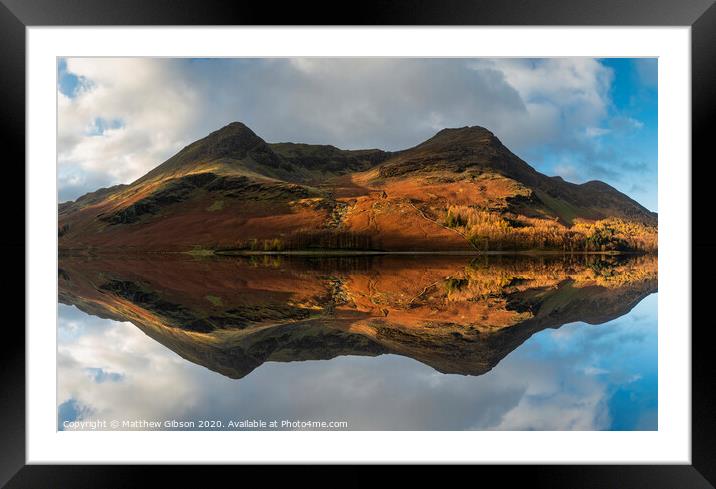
{"x": 424, "y": 234}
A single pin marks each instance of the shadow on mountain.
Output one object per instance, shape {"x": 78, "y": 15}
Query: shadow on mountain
{"x": 457, "y": 314}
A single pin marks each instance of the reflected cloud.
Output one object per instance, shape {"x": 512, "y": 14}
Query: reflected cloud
{"x": 100, "y": 375}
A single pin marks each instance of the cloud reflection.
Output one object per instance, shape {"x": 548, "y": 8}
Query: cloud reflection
{"x": 578, "y": 377}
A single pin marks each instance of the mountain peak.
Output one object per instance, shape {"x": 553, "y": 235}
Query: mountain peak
{"x": 467, "y": 130}
{"x": 235, "y": 131}
{"x": 462, "y": 136}
{"x": 454, "y": 150}
{"x": 232, "y": 127}
{"x": 233, "y": 140}
{"x": 599, "y": 185}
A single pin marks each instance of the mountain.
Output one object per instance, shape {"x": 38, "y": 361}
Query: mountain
{"x": 457, "y": 314}
{"x": 460, "y": 190}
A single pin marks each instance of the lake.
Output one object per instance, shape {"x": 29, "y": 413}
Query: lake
{"x": 383, "y": 342}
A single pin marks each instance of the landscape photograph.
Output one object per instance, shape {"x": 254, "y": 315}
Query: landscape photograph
{"x": 357, "y": 244}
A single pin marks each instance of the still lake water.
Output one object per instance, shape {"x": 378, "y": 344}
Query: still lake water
{"x": 371, "y": 343}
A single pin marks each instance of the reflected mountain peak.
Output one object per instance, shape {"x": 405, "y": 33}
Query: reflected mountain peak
{"x": 457, "y": 314}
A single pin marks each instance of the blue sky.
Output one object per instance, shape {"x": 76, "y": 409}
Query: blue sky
{"x": 623, "y": 150}
{"x": 580, "y": 118}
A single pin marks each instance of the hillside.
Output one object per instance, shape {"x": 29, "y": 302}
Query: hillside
{"x": 460, "y": 190}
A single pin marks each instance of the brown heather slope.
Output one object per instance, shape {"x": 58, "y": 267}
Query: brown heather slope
{"x": 460, "y": 190}
{"x": 457, "y": 314}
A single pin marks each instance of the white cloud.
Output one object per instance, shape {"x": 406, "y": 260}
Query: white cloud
{"x": 595, "y": 132}
{"x": 562, "y": 95}
{"x": 147, "y": 96}
{"x": 142, "y": 367}
{"x": 647, "y": 69}
{"x": 566, "y": 171}
{"x": 625, "y": 124}
{"x": 150, "y": 108}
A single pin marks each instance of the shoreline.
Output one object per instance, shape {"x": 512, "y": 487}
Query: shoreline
{"x": 333, "y": 253}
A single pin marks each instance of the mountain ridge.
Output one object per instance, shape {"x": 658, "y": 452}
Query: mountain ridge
{"x": 280, "y": 190}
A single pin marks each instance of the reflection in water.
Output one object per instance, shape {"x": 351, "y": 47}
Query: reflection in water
{"x": 394, "y": 326}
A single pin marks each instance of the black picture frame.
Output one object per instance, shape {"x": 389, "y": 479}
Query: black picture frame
{"x": 16, "y": 15}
